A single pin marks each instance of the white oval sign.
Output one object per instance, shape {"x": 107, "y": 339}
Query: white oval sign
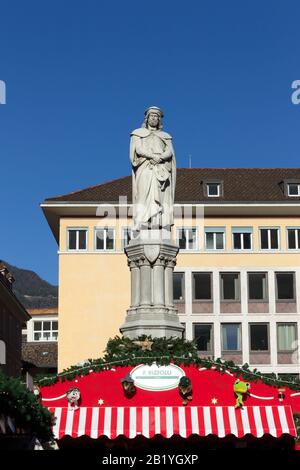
{"x": 157, "y": 378}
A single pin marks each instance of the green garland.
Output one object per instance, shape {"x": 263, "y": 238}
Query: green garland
{"x": 126, "y": 352}
{"x": 21, "y": 405}
{"x": 296, "y": 417}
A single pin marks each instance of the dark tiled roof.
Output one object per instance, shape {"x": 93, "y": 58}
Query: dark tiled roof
{"x": 40, "y": 354}
{"x": 239, "y": 184}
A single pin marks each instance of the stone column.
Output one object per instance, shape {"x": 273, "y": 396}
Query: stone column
{"x": 145, "y": 284}
{"x": 170, "y": 264}
{"x": 158, "y": 285}
{"x": 135, "y": 283}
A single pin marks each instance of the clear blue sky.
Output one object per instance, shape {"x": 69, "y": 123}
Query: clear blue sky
{"x": 80, "y": 74}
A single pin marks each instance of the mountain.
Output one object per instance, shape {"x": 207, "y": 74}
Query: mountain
{"x": 31, "y": 290}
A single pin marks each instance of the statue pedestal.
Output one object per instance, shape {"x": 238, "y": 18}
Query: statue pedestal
{"x": 151, "y": 259}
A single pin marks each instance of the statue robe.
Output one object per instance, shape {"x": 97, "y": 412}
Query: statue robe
{"x": 153, "y": 186}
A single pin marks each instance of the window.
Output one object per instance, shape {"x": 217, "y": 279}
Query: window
{"x": 203, "y": 334}
{"x": 257, "y": 286}
{"x": 286, "y": 337}
{"x": 230, "y": 286}
{"x": 187, "y": 238}
{"x": 293, "y": 189}
{"x": 231, "y": 337}
{"x": 213, "y": 189}
{"x": 293, "y": 238}
{"x": 45, "y": 330}
{"x": 259, "y": 337}
{"x": 105, "y": 239}
{"x": 285, "y": 286}
{"x": 202, "y": 286}
{"x": 242, "y": 238}
{"x": 214, "y": 238}
{"x": 77, "y": 239}
{"x": 178, "y": 286}
{"x": 269, "y": 239}
{"x": 126, "y": 236}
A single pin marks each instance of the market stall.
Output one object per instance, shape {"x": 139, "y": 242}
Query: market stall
{"x": 170, "y": 400}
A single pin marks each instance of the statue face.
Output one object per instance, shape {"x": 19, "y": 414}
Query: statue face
{"x": 153, "y": 119}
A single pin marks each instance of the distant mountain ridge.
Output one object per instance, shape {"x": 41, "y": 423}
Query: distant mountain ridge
{"x": 31, "y": 289}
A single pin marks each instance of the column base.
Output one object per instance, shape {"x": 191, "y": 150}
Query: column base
{"x": 154, "y": 321}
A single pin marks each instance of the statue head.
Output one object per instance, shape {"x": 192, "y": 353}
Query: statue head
{"x": 153, "y": 117}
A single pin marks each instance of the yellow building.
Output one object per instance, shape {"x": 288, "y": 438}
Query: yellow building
{"x": 237, "y": 280}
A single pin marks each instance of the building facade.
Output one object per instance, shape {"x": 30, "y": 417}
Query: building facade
{"x": 13, "y": 317}
{"x": 237, "y": 280}
{"x": 39, "y": 341}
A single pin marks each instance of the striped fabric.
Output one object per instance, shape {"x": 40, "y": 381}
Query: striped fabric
{"x": 170, "y": 420}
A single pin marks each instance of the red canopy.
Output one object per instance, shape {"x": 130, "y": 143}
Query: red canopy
{"x": 169, "y": 420}
{"x": 105, "y": 410}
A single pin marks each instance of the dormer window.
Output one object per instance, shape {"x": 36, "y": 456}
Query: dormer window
{"x": 293, "y": 189}
{"x": 212, "y": 188}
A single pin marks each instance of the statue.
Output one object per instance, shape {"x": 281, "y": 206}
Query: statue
{"x": 151, "y": 253}
{"x": 153, "y": 174}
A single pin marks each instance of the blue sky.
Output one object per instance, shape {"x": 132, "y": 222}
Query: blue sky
{"x": 80, "y": 74}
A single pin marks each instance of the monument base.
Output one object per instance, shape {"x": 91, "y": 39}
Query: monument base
{"x": 152, "y": 321}
{"x": 152, "y": 258}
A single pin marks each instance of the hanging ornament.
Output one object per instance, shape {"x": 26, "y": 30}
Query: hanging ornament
{"x": 145, "y": 345}
{"x": 241, "y": 390}
{"x": 36, "y": 391}
{"x": 73, "y": 397}
{"x": 128, "y": 386}
{"x": 185, "y": 390}
{"x": 281, "y": 393}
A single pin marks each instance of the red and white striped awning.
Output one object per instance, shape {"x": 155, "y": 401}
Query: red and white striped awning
{"x": 170, "y": 420}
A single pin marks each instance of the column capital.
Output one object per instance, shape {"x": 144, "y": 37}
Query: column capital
{"x": 143, "y": 261}
{"x": 133, "y": 263}
{"x": 161, "y": 261}
{"x": 170, "y": 261}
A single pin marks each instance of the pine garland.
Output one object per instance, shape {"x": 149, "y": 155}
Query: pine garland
{"x": 124, "y": 352}
{"x": 296, "y": 417}
{"x": 23, "y": 407}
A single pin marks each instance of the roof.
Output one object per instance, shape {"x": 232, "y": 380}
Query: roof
{"x": 43, "y": 311}
{"x": 239, "y": 184}
{"x": 7, "y": 295}
{"x": 40, "y": 354}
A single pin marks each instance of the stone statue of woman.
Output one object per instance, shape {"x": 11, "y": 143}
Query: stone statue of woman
{"x": 153, "y": 174}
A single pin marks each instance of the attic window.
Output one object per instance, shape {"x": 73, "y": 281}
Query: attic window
{"x": 213, "y": 188}
{"x": 293, "y": 189}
